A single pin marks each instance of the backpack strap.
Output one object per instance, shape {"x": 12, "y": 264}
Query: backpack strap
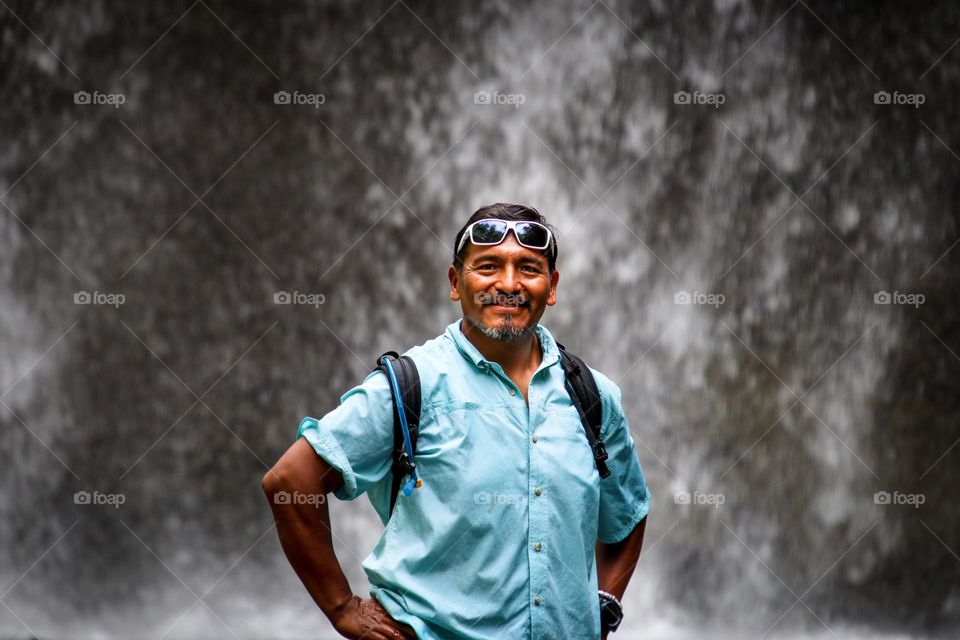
{"x": 404, "y": 381}
{"x": 582, "y": 387}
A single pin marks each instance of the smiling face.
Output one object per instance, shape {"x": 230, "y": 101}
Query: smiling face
{"x": 503, "y": 289}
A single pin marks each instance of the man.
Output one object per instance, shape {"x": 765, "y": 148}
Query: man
{"x": 513, "y": 534}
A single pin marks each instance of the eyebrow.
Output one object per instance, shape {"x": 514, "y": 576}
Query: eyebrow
{"x": 496, "y": 258}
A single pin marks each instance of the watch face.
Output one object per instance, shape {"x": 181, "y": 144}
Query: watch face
{"x": 611, "y": 615}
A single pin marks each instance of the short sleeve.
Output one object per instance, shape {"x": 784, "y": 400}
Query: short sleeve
{"x": 624, "y": 497}
{"x": 356, "y": 438}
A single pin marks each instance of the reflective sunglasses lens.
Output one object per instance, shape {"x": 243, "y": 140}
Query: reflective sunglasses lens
{"x": 532, "y": 235}
{"x": 488, "y": 231}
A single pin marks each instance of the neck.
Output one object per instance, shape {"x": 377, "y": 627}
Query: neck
{"x": 515, "y": 356}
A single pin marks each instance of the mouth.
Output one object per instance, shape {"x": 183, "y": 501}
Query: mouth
{"x": 501, "y": 302}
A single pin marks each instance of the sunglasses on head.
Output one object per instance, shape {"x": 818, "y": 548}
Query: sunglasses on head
{"x": 491, "y": 231}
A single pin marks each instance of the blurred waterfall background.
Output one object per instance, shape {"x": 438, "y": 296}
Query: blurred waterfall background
{"x": 758, "y": 214}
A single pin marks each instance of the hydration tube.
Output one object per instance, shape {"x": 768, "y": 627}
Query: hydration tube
{"x": 412, "y": 481}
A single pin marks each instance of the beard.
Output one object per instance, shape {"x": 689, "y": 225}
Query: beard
{"x": 505, "y": 331}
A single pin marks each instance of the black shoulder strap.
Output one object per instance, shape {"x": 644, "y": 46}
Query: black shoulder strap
{"x": 585, "y": 396}
{"x": 408, "y": 381}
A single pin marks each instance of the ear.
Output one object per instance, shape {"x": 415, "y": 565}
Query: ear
{"x": 454, "y": 283}
{"x": 554, "y": 280}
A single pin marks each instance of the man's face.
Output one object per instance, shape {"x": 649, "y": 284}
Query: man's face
{"x": 503, "y": 289}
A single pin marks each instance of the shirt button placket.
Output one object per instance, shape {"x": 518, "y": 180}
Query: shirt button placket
{"x": 537, "y": 568}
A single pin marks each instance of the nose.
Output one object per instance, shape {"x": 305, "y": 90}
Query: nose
{"x": 508, "y": 281}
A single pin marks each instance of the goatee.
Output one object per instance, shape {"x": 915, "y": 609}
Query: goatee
{"x": 507, "y": 332}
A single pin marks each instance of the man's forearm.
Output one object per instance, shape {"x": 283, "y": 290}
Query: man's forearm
{"x": 306, "y": 538}
{"x": 616, "y": 562}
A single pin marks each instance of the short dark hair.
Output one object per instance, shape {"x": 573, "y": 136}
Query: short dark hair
{"x": 507, "y": 211}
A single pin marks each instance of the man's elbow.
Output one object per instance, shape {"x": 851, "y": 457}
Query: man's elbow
{"x": 274, "y": 481}
{"x": 300, "y": 469}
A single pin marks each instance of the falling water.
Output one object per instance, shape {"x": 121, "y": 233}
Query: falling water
{"x": 789, "y": 203}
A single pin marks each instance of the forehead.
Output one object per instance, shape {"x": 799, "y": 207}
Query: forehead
{"x": 509, "y": 249}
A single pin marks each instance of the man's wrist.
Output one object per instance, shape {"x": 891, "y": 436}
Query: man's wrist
{"x": 339, "y": 608}
{"x": 611, "y": 611}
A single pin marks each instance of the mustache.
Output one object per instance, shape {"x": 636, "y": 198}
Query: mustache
{"x": 503, "y": 299}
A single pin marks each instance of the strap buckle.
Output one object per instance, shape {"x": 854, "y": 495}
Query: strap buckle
{"x": 403, "y": 464}
{"x": 599, "y": 451}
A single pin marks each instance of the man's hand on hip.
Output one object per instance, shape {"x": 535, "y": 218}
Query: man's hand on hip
{"x": 367, "y": 619}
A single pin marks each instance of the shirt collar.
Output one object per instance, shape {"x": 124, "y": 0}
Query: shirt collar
{"x": 551, "y": 353}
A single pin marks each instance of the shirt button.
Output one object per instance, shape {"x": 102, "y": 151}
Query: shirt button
{"x": 512, "y": 391}
{"x": 536, "y": 601}
{"x": 534, "y": 437}
{"x": 537, "y": 547}
{"x": 537, "y": 491}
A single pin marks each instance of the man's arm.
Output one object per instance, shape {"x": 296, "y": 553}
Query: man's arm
{"x": 306, "y": 538}
{"x": 616, "y": 562}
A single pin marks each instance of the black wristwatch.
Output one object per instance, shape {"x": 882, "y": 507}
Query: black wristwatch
{"x": 611, "y": 612}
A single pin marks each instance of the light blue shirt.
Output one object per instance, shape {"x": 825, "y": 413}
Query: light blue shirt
{"x": 498, "y": 542}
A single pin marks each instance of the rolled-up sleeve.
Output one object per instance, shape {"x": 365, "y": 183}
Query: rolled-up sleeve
{"x": 624, "y": 497}
{"x": 356, "y": 438}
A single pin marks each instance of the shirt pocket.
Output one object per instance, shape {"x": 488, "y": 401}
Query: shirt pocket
{"x": 574, "y": 480}
{"x": 470, "y": 448}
